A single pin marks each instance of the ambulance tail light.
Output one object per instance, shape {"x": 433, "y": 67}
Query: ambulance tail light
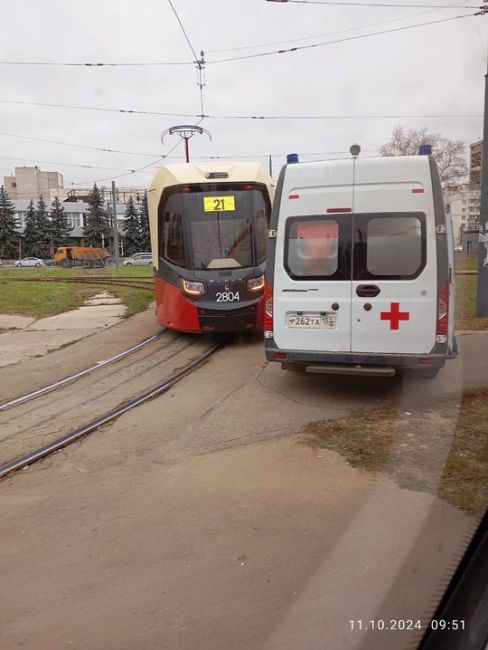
{"x": 279, "y": 356}
{"x": 268, "y": 307}
{"x": 443, "y": 309}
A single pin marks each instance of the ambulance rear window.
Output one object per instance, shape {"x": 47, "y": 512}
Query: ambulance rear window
{"x": 394, "y": 246}
{"x": 312, "y": 246}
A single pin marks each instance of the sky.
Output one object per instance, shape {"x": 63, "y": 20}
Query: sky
{"x": 350, "y": 88}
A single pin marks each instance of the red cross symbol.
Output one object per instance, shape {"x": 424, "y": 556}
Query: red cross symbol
{"x": 395, "y": 315}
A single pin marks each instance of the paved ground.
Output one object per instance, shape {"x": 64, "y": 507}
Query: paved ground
{"x": 203, "y": 520}
{"x": 25, "y": 342}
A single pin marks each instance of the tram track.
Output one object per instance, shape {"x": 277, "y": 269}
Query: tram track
{"x": 28, "y": 397}
{"x": 132, "y": 282}
{"x": 31, "y": 424}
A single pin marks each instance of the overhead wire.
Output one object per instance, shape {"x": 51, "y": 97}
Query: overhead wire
{"x": 79, "y": 146}
{"x": 375, "y": 4}
{"x": 183, "y": 29}
{"x": 135, "y": 171}
{"x": 200, "y": 63}
{"x": 334, "y": 33}
{"x": 95, "y": 108}
{"x": 66, "y": 164}
{"x": 482, "y": 10}
{"x": 340, "y": 40}
{"x": 242, "y": 117}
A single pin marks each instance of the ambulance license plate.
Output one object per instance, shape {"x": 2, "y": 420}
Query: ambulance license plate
{"x": 314, "y": 321}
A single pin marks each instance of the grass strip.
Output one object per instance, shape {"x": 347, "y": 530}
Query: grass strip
{"x": 440, "y": 446}
{"x": 42, "y": 299}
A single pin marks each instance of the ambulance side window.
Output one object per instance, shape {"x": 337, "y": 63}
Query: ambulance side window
{"x": 312, "y": 247}
{"x": 394, "y": 246}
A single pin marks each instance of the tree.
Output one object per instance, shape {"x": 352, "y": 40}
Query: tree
{"x": 30, "y": 230}
{"x": 60, "y": 227}
{"x": 449, "y": 154}
{"x": 96, "y": 224}
{"x": 132, "y": 235}
{"x": 144, "y": 232}
{"x": 43, "y": 231}
{"x": 8, "y": 236}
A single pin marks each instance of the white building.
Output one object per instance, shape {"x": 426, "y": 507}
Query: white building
{"x": 75, "y": 213}
{"x": 464, "y": 203}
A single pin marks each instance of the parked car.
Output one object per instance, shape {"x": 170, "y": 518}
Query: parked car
{"x": 458, "y": 249}
{"x": 139, "y": 259}
{"x": 30, "y": 261}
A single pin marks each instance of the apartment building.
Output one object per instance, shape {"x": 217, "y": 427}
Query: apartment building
{"x": 475, "y": 160}
{"x": 32, "y": 183}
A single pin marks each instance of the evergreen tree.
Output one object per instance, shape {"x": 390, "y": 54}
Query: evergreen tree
{"x": 30, "y": 230}
{"x": 96, "y": 223}
{"x": 43, "y": 231}
{"x": 8, "y": 236}
{"x": 132, "y": 236}
{"x": 60, "y": 228}
{"x": 145, "y": 235}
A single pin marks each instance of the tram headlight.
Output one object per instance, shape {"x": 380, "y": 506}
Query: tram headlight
{"x": 256, "y": 284}
{"x": 192, "y": 289}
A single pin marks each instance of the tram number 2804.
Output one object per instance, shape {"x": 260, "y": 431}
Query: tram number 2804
{"x": 227, "y": 296}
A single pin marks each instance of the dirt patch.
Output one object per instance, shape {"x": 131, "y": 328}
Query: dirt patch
{"x": 441, "y": 447}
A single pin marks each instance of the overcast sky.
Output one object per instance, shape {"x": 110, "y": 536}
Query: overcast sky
{"x": 432, "y": 70}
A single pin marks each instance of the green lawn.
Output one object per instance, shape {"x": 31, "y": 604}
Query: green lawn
{"x": 58, "y": 272}
{"x": 41, "y": 299}
{"x": 466, "y": 319}
{"x": 465, "y": 264}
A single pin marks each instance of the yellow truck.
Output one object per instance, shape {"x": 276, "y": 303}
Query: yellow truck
{"x": 69, "y": 256}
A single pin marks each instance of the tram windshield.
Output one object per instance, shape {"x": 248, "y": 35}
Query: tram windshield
{"x": 224, "y": 227}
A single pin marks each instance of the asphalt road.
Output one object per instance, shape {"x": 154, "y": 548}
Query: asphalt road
{"x": 203, "y": 519}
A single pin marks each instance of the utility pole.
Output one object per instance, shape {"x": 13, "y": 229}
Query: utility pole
{"x": 482, "y": 296}
{"x": 116, "y": 230}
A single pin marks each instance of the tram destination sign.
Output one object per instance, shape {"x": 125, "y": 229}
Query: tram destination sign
{"x": 219, "y": 203}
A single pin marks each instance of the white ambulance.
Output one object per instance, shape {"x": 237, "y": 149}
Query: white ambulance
{"x": 360, "y": 270}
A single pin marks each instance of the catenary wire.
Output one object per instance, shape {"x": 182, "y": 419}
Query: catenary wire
{"x": 246, "y": 117}
{"x": 334, "y": 33}
{"x": 482, "y": 10}
{"x": 66, "y": 164}
{"x": 135, "y": 171}
{"x": 375, "y": 4}
{"x": 79, "y": 146}
{"x": 183, "y": 29}
{"x": 340, "y": 40}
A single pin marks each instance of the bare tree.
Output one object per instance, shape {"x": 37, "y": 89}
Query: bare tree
{"x": 449, "y": 154}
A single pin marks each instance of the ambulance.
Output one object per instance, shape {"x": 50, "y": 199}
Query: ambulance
{"x": 360, "y": 268}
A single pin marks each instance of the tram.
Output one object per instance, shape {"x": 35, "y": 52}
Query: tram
{"x": 209, "y": 228}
